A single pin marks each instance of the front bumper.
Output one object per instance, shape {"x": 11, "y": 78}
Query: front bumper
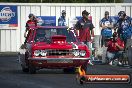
{"x": 57, "y": 62}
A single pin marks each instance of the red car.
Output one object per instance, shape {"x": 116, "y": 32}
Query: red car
{"x": 52, "y": 47}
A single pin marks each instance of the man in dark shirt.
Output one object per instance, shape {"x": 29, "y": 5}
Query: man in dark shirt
{"x": 31, "y": 23}
{"x": 123, "y": 22}
{"x": 85, "y": 28}
{"x": 62, "y": 21}
{"x": 124, "y": 26}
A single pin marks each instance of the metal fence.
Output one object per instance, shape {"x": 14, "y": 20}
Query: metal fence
{"x": 10, "y": 40}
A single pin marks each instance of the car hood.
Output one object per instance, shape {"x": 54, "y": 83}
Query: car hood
{"x": 42, "y": 45}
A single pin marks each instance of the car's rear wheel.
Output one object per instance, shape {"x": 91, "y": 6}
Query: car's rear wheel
{"x": 32, "y": 69}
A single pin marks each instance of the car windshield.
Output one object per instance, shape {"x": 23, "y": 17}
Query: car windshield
{"x": 44, "y": 34}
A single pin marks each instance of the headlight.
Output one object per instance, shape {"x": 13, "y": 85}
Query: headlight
{"x": 82, "y": 53}
{"x": 43, "y": 52}
{"x": 76, "y": 52}
{"x": 37, "y": 52}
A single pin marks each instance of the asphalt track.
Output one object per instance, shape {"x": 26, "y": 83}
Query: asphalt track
{"x": 11, "y": 76}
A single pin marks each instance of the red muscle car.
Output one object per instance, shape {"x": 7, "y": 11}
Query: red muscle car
{"x": 52, "y": 47}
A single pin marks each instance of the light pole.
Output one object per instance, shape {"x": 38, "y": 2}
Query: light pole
{"x": 41, "y": 1}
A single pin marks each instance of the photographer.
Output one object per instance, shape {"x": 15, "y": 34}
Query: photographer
{"x": 115, "y": 49}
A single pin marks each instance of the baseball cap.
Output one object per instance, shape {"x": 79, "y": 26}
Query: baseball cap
{"x": 30, "y": 15}
{"x": 63, "y": 11}
{"x": 106, "y": 13}
{"x": 122, "y": 13}
{"x": 85, "y": 12}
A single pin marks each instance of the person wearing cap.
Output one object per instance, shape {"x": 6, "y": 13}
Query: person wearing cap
{"x": 31, "y": 23}
{"x": 84, "y": 28}
{"x": 124, "y": 26}
{"x": 106, "y": 28}
{"x": 62, "y": 20}
{"x": 115, "y": 49}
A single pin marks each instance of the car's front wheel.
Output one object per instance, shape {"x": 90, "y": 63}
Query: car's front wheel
{"x": 32, "y": 69}
{"x": 69, "y": 70}
{"x": 24, "y": 69}
{"x": 84, "y": 66}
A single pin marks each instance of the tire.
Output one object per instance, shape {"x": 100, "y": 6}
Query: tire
{"x": 130, "y": 56}
{"x": 25, "y": 69}
{"x": 69, "y": 70}
{"x": 32, "y": 70}
{"x": 82, "y": 80}
{"x": 84, "y": 66}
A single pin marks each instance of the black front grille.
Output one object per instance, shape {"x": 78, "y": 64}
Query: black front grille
{"x": 60, "y": 61}
{"x": 58, "y": 52}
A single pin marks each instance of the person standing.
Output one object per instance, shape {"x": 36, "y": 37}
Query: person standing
{"x": 124, "y": 26}
{"x": 106, "y": 28}
{"x": 30, "y": 24}
{"x": 85, "y": 28}
{"x": 62, "y": 20}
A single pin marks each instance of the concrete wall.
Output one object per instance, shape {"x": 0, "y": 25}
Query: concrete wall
{"x": 10, "y": 40}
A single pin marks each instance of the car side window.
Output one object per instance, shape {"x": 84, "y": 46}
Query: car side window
{"x": 41, "y": 35}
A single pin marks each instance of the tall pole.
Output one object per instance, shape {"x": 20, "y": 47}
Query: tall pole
{"x": 41, "y": 1}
